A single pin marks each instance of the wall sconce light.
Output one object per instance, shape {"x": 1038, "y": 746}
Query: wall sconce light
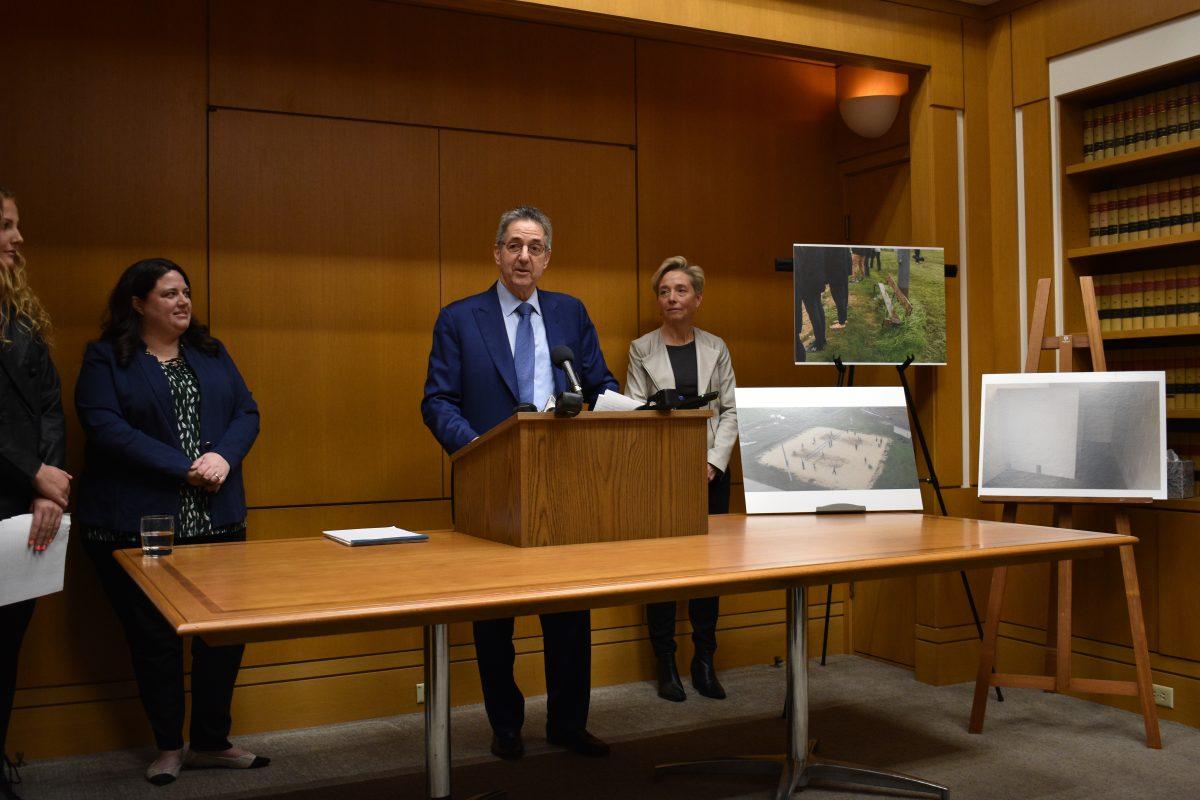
{"x": 869, "y": 99}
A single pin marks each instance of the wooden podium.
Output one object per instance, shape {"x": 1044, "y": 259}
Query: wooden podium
{"x": 537, "y": 479}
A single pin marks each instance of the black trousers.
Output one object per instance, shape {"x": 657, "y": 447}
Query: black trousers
{"x": 839, "y": 289}
{"x": 816, "y": 316}
{"x": 158, "y": 663}
{"x": 702, "y": 611}
{"x": 567, "y": 653}
{"x": 14, "y": 621}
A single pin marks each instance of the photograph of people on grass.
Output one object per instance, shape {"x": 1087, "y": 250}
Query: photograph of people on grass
{"x": 869, "y": 304}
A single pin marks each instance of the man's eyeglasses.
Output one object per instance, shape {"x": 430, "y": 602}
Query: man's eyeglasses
{"x": 535, "y": 248}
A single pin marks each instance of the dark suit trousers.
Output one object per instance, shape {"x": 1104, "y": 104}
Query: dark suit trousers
{"x": 567, "y": 649}
{"x": 14, "y": 620}
{"x": 702, "y": 611}
{"x": 157, "y": 653}
{"x": 839, "y": 289}
{"x": 816, "y": 316}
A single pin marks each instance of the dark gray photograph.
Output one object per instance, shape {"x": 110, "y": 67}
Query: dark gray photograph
{"x": 1064, "y": 435}
{"x": 826, "y": 449}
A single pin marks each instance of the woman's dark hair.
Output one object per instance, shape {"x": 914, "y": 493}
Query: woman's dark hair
{"x": 123, "y": 326}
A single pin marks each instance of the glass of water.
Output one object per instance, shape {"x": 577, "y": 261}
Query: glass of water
{"x": 158, "y": 535}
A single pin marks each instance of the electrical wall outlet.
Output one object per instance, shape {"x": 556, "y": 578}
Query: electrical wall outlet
{"x": 1164, "y": 696}
{"x": 421, "y": 693}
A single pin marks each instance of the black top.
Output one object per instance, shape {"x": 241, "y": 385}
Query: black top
{"x": 32, "y": 429}
{"x": 683, "y": 364}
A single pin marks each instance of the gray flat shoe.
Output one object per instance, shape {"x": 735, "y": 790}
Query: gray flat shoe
{"x": 161, "y": 777}
{"x": 201, "y": 760}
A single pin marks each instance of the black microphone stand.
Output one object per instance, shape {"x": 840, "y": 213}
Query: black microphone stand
{"x": 937, "y": 490}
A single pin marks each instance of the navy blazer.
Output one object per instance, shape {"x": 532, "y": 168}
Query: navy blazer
{"x": 471, "y": 385}
{"x": 134, "y": 462}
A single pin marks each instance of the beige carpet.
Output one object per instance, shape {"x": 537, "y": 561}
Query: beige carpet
{"x": 1035, "y": 745}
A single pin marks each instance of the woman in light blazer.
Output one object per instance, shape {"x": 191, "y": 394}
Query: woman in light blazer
{"x": 680, "y": 356}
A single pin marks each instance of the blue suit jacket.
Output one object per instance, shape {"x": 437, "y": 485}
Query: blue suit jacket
{"x": 134, "y": 462}
{"x": 471, "y": 385}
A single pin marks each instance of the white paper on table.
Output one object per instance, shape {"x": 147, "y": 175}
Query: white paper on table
{"x": 615, "y": 401}
{"x": 25, "y": 573}
{"x": 389, "y": 535}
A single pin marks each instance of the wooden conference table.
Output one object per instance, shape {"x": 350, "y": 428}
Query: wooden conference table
{"x": 281, "y": 589}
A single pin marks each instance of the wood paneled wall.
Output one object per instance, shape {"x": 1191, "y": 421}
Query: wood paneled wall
{"x": 328, "y": 190}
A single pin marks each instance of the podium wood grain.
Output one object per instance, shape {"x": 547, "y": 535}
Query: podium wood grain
{"x": 251, "y": 591}
{"x": 537, "y": 479}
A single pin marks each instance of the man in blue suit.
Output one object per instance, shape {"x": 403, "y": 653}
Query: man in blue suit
{"x": 491, "y": 353}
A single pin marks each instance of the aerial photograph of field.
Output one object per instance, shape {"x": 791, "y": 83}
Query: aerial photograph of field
{"x": 826, "y": 449}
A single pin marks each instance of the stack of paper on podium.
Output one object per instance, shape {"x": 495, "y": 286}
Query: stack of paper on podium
{"x": 615, "y": 401}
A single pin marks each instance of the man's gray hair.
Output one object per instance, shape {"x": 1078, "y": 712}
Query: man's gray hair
{"x": 531, "y": 213}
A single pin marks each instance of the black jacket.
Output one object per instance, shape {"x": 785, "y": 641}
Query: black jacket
{"x": 32, "y": 429}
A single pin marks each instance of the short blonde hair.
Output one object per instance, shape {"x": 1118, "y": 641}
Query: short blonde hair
{"x": 694, "y": 272}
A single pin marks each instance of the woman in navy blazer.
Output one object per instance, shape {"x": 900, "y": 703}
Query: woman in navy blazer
{"x": 168, "y": 420}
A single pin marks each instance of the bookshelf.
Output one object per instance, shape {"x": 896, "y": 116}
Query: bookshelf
{"x": 1157, "y": 239}
{"x": 1153, "y": 333}
{"x": 1078, "y": 254}
{"x": 1159, "y": 156}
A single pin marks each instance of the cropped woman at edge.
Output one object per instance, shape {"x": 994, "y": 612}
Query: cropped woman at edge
{"x": 677, "y": 355}
{"x": 33, "y": 442}
{"x": 168, "y": 421}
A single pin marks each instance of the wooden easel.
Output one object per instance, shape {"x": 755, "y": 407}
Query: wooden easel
{"x": 1058, "y": 619}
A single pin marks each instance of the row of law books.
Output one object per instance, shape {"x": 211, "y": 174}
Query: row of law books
{"x": 1159, "y": 298}
{"x": 1134, "y": 213}
{"x": 1181, "y": 365}
{"x": 1142, "y": 123}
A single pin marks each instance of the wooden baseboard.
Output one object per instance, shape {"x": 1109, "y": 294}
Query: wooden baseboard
{"x": 946, "y": 655}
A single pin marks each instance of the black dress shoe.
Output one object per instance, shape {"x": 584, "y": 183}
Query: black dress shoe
{"x": 582, "y": 743}
{"x": 8, "y": 776}
{"x": 670, "y": 687}
{"x": 704, "y": 678}
{"x": 510, "y": 748}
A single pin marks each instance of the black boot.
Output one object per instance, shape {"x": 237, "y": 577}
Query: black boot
{"x": 704, "y": 677}
{"x": 670, "y": 687}
{"x": 8, "y": 776}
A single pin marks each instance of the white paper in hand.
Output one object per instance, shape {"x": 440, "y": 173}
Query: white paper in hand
{"x": 615, "y": 401}
{"x": 25, "y": 573}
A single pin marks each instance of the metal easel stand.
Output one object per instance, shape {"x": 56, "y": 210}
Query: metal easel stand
{"x": 937, "y": 490}
{"x": 846, "y": 378}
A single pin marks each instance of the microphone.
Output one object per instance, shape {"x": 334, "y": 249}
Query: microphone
{"x": 569, "y": 403}
{"x": 564, "y": 358}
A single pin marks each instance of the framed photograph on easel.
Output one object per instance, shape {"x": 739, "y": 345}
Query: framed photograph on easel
{"x": 807, "y": 448}
{"x": 1074, "y": 435}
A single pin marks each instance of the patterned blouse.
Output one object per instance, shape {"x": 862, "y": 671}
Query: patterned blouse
{"x": 193, "y": 522}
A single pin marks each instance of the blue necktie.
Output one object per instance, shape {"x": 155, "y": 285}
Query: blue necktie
{"x": 523, "y": 353}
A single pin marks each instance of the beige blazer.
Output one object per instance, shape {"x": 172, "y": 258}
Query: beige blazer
{"x": 650, "y": 371}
